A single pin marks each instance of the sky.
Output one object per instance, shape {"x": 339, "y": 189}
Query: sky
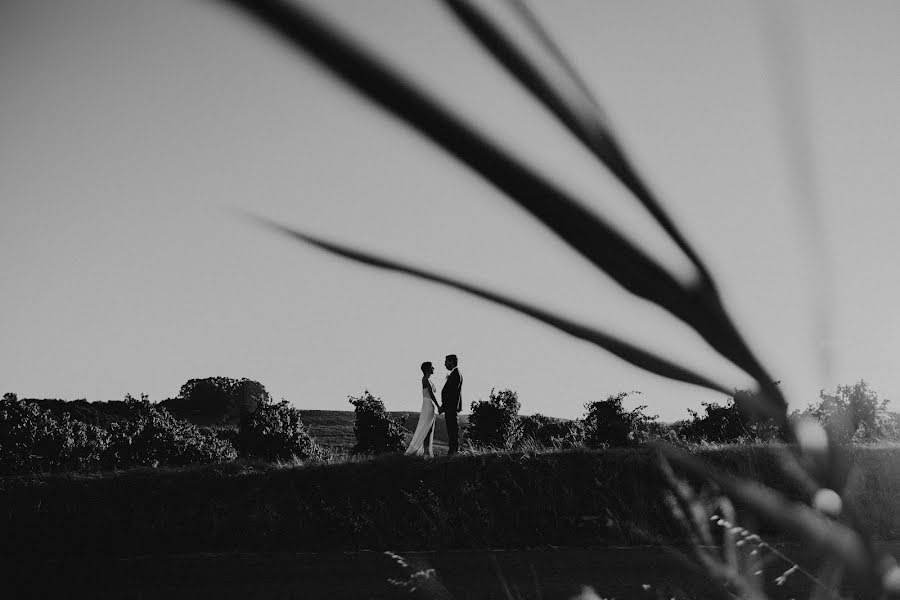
{"x": 134, "y": 132}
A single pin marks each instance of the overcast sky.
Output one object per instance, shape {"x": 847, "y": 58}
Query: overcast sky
{"x": 130, "y": 131}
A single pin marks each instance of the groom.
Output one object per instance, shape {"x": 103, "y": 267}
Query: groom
{"x": 451, "y": 402}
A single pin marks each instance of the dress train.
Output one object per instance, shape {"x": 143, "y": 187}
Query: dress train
{"x": 425, "y": 428}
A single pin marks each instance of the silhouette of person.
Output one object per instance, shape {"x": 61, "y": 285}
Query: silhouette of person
{"x": 422, "y": 440}
{"x": 451, "y": 402}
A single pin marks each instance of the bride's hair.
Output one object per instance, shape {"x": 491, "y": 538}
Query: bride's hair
{"x": 425, "y": 365}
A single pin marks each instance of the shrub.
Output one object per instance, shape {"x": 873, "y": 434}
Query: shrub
{"x": 226, "y": 434}
{"x": 545, "y": 432}
{"x": 730, "y": 422}
{"x": 494, "y": 422}
{"x": 608, "y": 424}
{"x": 276, "y": 432}
{"x": 375, "y": 431}
{"x": 87, "y": 443}
{"x": 855, "y": 414}
{"x": 672, "y": 433}
{"x": 533, "y": 429}
{"x": 719, "y": 423}
{"x": 32, "y": 439}
{"x": 100, "y": 414}
{"x": 155, "y": 437}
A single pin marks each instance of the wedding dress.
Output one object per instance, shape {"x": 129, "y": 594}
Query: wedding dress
{"x": 425, "y": 428}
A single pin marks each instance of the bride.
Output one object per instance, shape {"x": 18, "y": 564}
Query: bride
{"x": 423, "y": 439}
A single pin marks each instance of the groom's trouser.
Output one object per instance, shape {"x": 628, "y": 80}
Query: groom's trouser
{"x": 452, "y": 432}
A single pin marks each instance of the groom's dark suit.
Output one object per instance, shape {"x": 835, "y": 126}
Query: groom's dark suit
{"x": 451, "y": 405}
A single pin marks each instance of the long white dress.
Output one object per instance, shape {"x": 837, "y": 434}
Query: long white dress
{"x": 425, "y": 428}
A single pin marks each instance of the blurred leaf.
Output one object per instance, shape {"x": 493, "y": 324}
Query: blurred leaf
{"x": 585, "y": 232}
{"x": 628, "y": 352}
{"x": 566, "y": 95}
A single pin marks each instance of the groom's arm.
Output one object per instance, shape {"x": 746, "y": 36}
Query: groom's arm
{"x": 459, "y": 392}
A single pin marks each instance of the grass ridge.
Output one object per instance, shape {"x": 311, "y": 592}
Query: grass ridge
{"x": 491, "y": 500}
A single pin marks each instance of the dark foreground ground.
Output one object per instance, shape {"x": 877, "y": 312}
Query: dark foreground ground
{"x": 547, "y": 574}
{"x": 319, "y": 531}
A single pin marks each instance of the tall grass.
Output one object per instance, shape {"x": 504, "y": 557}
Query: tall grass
{"x": 816, "y": 463}
{"x": 475, "y": 500}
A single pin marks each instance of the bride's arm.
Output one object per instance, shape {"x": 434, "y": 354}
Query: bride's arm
{"x": 426, "y": 385}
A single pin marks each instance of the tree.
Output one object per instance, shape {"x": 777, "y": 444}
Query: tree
{"x": 218, "y": 399}
{"x": 376, "y": 432}
{"x": 493, "y": 422}
{"x": 855, "y": 413}
{"x": 608, "y": 424}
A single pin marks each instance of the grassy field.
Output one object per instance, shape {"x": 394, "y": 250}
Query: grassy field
{"x": 468, "y": 501}
{"x": 509, "y": 500}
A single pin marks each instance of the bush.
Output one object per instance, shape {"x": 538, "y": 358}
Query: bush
{"x": 32, "y": 439}
{"x": 154, "y": 437}
{"x": 731, "y": 422}
{"x": 376, "y": 432}
{"x": 494, "y": 422}
{"x": 608, "y": 424}
{"x": 855, "y": 414}
{"x": 100, "y": 414}
{"x": 226, "y": 434}
{"x": 718, "y": 423}
{"x": 86, "y": 443}
{"x": 669, "y": 432}
{"x": 538, "y": 431}
{"x": 276, "y": 432}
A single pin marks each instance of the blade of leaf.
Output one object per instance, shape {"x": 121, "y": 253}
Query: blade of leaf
{"x": 783, "y": 51}
{"x": 630, "y": 353}
{"x": 567, "y": 96}
{"x": 581, "y": 229}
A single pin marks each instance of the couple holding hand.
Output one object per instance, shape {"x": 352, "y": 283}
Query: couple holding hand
{"x": 451, "y": 405}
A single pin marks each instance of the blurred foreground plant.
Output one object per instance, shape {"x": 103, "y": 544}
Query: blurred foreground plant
{"x": 828, "y": 522}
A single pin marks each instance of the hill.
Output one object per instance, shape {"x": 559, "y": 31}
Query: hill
{"x": 484, "y": 500}
{"x": 334, "y": 428}
{"x": 393, "y": 501}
